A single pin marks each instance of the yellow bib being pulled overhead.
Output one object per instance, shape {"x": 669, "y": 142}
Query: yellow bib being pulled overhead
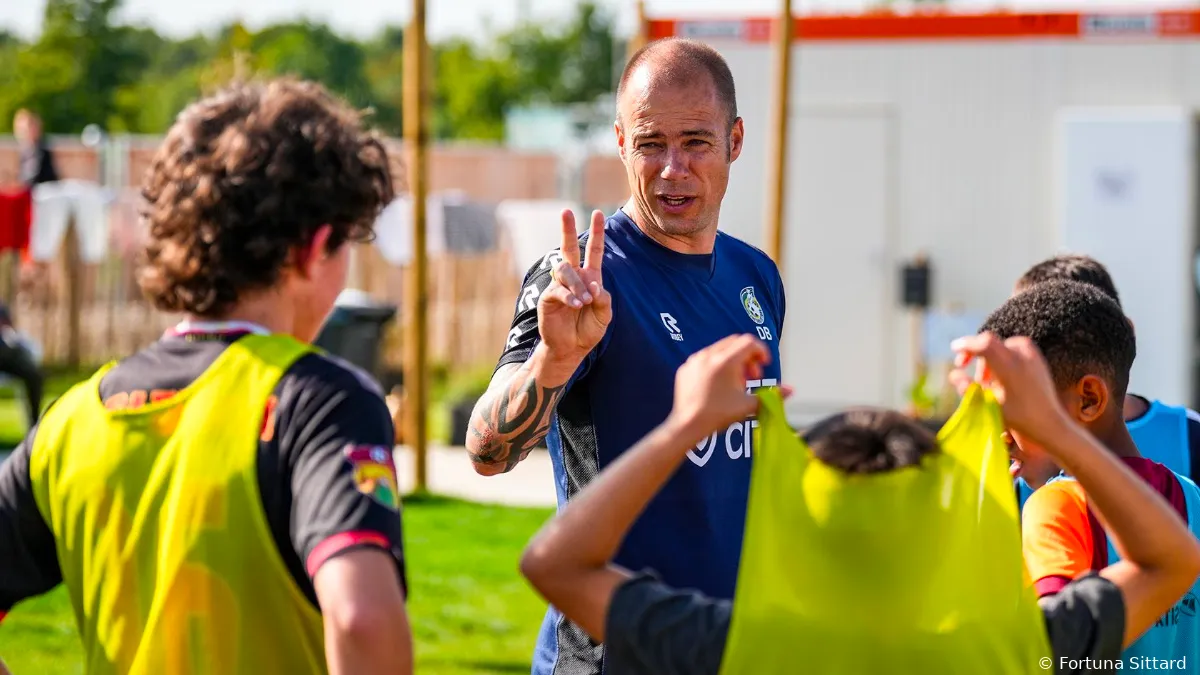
{"x": 916, "y": 571}
{"x": 162, "y": 540}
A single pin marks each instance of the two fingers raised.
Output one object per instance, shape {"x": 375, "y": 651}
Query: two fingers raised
{"x": 570, "y": 241}
{"x": 582, "y": 283}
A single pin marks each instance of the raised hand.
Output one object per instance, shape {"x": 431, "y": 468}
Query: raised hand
{"x": 575, "y": 309}
{"x": 710, "y": 388}
{"x": 1018, "y": 375}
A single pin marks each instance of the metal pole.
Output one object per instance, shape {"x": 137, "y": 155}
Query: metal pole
{"x": 778, "y": 167}
{"x": 416, "y": 132}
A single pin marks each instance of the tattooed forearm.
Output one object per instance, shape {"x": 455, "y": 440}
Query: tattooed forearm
{"x": 510, "y": 420}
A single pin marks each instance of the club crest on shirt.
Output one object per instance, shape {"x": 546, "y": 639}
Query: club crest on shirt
{"x": 750, "y": 303}
{"x": 375, "y": 473}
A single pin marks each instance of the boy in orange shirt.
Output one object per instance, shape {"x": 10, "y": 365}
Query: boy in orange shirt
{"x": 1090, "y": 347}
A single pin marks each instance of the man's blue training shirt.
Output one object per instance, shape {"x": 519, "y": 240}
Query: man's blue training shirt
{"x": 666, "y": 306}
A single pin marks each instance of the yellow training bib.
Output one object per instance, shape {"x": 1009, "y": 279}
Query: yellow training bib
{"x": 916, "y": 571}
{"x": 162, "y": 540}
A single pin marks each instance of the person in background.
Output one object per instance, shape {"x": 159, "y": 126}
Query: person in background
{"x": 17, "y": 360}
{"x": 602, "y": 324}
{"x": 37, "y": 162}
{"x": 652, "y": 627}
{"x": 1163, "y": 433}
{"x": 36, "y": 166}
{"x": 1090, "y": 347}
{"x": 225, "y": 500}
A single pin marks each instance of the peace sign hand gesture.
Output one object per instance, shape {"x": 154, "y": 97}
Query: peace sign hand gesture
{"x": 575, "y": 309}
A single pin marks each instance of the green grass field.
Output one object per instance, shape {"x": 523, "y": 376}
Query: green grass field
{"x": 471, "y": 612}
{"x": 13, "y": 423}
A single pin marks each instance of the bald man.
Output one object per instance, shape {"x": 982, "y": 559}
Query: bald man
{"x": 603, "y": 323}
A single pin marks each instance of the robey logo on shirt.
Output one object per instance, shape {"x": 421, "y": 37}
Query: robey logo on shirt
{"x": 737, "y": 437}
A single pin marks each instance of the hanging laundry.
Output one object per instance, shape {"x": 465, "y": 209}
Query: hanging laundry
{"x": 470, "y": 227}
{"x": 533, "y": 227}
{"x": 16, "y": 216}
{"x": 54, "y": 204}
{"x": 91, "y": 204}
{"x": 394, "y": 229}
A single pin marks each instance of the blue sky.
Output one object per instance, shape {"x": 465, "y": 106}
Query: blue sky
{"x": 464, "y": 17}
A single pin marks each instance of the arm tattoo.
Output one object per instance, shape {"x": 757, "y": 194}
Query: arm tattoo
{"x": 511, "y": 419}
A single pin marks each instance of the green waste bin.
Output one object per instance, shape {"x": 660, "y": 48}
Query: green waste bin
{"x": 354, "y": 330}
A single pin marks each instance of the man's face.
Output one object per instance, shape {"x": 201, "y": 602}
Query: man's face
{"x": 677, "y": 146}
{"x": 25, "y": 128}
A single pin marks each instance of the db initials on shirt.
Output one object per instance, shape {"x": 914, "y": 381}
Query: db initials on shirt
{"x": 736, "y": 440}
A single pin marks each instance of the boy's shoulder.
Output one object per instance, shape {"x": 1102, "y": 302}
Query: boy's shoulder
{"x": 1061, "y": 496}
{"x": 1060, "y": 538}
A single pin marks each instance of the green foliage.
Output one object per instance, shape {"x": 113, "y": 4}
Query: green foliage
{"x": 472, "y": 92}
{"x": 314, "y": 52}
{"x": 928, "y": 401}
{"x": 14, "y": 422}
{"x": 70, "y": 75}
{"x": 467, "y": 384}
{"x": 86, "y": 68}
{"x": 922, "y": 403}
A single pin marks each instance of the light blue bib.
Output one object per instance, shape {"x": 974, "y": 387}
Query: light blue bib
{"x": 1176, "y": 635}
{"x": 1161, "y": 435}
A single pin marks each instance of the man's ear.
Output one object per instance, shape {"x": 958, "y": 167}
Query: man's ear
{"x": 620, "y": 133}
{"x": 1094, "y": 398}
{"x": 737, "y": 136}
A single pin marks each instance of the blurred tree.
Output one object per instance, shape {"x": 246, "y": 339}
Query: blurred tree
{"x": 86, "y": 68}
{"x": 167, "y": 82}
{"x": 9, "y": 39}
{"x": 10, "y": 49}
{"x": 232, "y": 58}
{"x": 531, "y": 63}
{"x": 385, "y": 73}
{"x": 71, "y": 74}
{"x": 591, "y": 47}
{"x": 313, "y": 51}
{"x": 471, "y": 92}
{"x": 537, "y": 59}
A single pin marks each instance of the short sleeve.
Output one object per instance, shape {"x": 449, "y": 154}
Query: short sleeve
{"x": 1056, "y": 536}
{"x": 523, "y": 331}
{"x": 1085, "y": 620}
{"x": 29, "y": 562}
{"x": 336, "y": 437}
{"x": 654, "y": 629}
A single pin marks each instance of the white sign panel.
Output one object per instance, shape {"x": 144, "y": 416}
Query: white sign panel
{"x": 1126, "y": 182}
{"x": 1118, "y": 25}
